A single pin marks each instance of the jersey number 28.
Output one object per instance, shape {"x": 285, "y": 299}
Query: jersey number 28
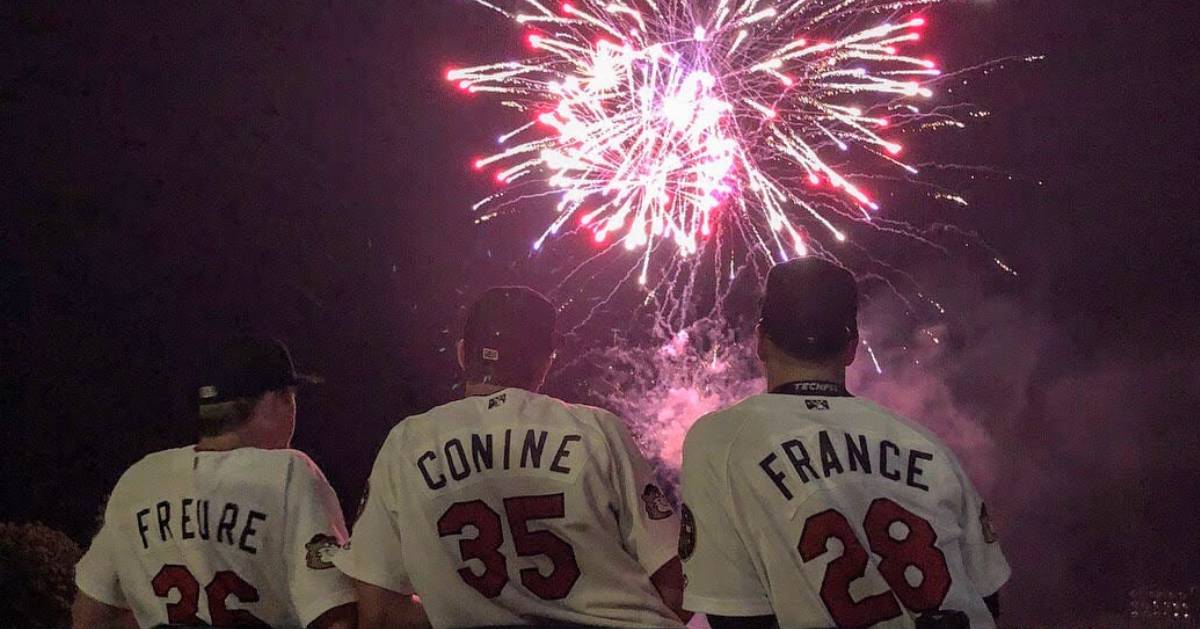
{"x": 913, "y": 546}
{"x": 485, "y": 546}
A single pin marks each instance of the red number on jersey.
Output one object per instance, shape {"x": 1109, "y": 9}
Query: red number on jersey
{"x": 485, "y": 546}
{"x": 852, "y": 565}
{"x": 224, "y": 583}
{"x": 178, "y": 578}
{"x": 916, "y": 548}
{"x": 565, "y": 572}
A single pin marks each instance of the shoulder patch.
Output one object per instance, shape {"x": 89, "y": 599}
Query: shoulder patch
{"x": 687, "y": 533}
{"x": 498, "y": 400}
{"x": 319, "y": 551}
{"x": 985, "y": 523}
{"x": 817, "y": 405}
{"x": 656, "y": 503}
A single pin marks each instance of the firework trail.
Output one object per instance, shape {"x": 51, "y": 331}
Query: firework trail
{"x": 662, "y": 122}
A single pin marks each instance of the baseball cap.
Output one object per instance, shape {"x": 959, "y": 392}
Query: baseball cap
{"x": 810, "y": 307}
{"x": 247, "y": 367}
{"x": 509, "y": 324}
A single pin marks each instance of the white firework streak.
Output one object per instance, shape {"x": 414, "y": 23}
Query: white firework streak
{"x": 660, "y": 121}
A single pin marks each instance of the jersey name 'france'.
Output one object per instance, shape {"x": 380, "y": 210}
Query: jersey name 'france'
{"x": 857, "y": 454}
{"x": 528, "y": 449}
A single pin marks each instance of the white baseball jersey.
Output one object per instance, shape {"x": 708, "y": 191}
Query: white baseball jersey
{"x": 225, "y": 538}
{"x": 514, "y": 508}
{"x": 826, "y": 510}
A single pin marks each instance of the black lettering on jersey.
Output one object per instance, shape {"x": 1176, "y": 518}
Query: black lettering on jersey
{"x": 562, "y": 453}
{"x": 248, "y": 531}
{"x": 429, "y": 482}
{"x": 185, "y": 519}
{"x": 775, "y": 475}
{"x": 796, "y": 453}
{"x": 858, "y": 455}
{"x": 163, "y": 510}
{"x": 507, "y": 446}
{"x": 225, "y": 525}
{"x": 481, "y": 452}
{"x": 143, "y": 528}
{"x": 533, "y": 449}
{"x": 202, "y": 527}
{"x": 829, "y": 456}
{"x": 883, "y": 459}
{"x": 914, "y": 471}
{"x": 456, "y": 472}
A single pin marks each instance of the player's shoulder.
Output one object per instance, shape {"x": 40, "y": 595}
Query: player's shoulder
{"x": 153, "y": 465}
{"x": 720, "y": 428}
{"x": 909, "y": 434}
{"x": 904, "y": 429}
{"x": 586, "y": 414}
{"x": 146, "y": 473}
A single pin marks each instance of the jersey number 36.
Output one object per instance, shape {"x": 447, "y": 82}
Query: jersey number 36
{"x": 223, "y": 584}
{"x": 486, "y": 545}
{"x": 911, "y": 546}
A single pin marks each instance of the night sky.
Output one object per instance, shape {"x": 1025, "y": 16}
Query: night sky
{"x": 177, "y": 172}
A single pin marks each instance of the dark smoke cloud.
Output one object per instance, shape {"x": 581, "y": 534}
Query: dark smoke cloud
{"x": 1087, "y": 462}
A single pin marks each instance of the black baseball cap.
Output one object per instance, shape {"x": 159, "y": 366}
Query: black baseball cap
{"x": 509, "y": 324}
{"x": 248, "y": 367}
{"x": 810, "y": 307}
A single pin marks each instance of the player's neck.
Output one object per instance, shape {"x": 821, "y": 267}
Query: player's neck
{"x": 236, "y": 439}
{"x": 473, "y": 389}
{"x": 780, "y": 374}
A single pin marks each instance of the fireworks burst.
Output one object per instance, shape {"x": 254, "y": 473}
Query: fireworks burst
{"x": 661, "y": 122}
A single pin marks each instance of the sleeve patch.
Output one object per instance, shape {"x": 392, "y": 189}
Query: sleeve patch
{"x": 687, "y": 534}
{"x": 320, "y": 550}
{"x": 985, "y": 524}
{"x": 656, "y": 503}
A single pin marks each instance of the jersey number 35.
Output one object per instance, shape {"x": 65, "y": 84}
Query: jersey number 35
{"x": 486, "y": 545}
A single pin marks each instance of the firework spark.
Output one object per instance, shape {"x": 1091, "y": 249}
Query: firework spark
{"x": 663, "y": 121}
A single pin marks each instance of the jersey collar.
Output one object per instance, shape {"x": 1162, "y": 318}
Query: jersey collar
{"x": 817, "y": 388}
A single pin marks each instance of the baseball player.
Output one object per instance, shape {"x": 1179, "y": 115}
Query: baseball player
{"x": 809, "y": 507}
{"x": 510, "y": 507}
{"x": 235, "y": 530}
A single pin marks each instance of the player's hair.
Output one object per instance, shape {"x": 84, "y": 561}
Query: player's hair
{"x": 216, "y": 419}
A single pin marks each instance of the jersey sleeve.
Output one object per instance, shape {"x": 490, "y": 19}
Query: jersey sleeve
{"x": 649, "y": 524}
{"x": 983, "y": 559}
{"x": 375, "y": 554}
{"x": 720, "y": 575}
{"x": 96, "y": 572}
{"x": 314, "y": 532}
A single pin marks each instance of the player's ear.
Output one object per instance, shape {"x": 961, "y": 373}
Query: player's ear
{"x": 461, "y": 350}
{"x": 851, "y": 351}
